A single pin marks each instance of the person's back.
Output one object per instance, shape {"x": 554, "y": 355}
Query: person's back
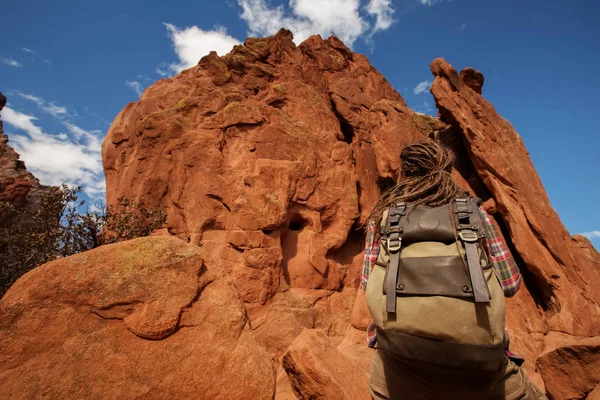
{"x": 435, "y": 273}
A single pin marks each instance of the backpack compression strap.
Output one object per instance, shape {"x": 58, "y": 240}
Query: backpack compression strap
{"x": 465, "y": 213}
{"x": 393, "y": 232}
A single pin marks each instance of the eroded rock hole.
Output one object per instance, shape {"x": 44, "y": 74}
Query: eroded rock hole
{"x": 345, "y": 127}
{"x": 295, "y": 226}
{"x": 279, "y": 104}
{"x": 291, "y": 240}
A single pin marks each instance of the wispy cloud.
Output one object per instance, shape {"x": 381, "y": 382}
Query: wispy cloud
{"x": 193, "y": 43}
{"x": 162, "y": 69}
{"x": 429, "y": 2}
{"x": 422, "y": 87}
{"x": 144, "y": 77}
{"x": 12, "y": 62}
{"x": 383, "y": 12}
{"x": 591, "y": 235}
{"x": 72, "y": 157}
{"x": 26, "y": 50}
{"x": 136, "y": 86}
{"x": 462, "y": 28}
{"x": 49, "y": 107}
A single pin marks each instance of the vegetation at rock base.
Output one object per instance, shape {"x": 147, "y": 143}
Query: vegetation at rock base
{"x": 58, "y": 228}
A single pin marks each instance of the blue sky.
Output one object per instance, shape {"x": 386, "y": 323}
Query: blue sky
{"x": 69, "y": 67}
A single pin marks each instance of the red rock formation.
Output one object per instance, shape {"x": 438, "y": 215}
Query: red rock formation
{"x": 561, "y": 272}
{"x": 269, "y": 158}
{"x": 576, "y": 362}
{"x": 17, "y": 186}
{"x": 318, "y": 370}
{"x": 144, "y": 318}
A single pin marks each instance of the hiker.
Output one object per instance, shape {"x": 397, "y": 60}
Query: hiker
{"x": 436, "y": 272}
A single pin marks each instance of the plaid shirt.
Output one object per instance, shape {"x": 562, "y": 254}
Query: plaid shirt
{"x": 502, "y": 260}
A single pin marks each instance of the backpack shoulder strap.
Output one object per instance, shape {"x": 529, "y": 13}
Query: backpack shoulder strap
{"x": 468, "y": 225}
{"x": 393, "y": 234}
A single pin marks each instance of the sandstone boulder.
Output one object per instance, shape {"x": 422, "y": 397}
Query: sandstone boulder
{"x": 318, "y": 370}
{"x": 572, "y": 370}
{"x": 147, "y": 318}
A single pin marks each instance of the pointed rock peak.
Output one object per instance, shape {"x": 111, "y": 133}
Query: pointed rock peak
{"x": 285, "y": 34}
{"x": 443, "y": 69}
{"x": 472, "y": 78}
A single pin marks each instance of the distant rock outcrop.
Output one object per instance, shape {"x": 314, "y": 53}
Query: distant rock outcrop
{"x": 17, "y": 186}
{"x": 270, "y": 158}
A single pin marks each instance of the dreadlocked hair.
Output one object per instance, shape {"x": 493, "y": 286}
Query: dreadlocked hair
{"x": 426, "y": 168}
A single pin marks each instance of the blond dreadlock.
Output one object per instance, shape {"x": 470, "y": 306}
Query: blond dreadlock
{"x": 426, "y": 168}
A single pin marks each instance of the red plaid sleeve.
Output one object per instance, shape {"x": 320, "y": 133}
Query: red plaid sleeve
{"x": 502, "y": 259}
{"x": 371, "y": 254}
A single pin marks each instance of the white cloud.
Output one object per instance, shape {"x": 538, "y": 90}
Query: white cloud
{"x": 462, "y": 27}
{"x": 11, "y": 62}
{"x": 591, "y": 235}
{"x": 428, "y": 2}
{"x": 344, "y": 18}
{"x": 49, "y": 107}
{"x": 422, "y": 87}
{"x": 193, "y": 43}
{"x": 136, "y": 86}
{"x": 21, "y": 121}
{"x": 383, "y": 12}
{"x": 309, "y": 17}
{"x": 54, "y": 159}
{"x": 26, "y": 50}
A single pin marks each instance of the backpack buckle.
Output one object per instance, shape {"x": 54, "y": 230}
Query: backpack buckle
{"x": 468, "y": 236}
{"x": 394, "y": 244}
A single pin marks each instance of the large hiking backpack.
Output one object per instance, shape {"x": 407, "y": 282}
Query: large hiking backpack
{"x": 433, "y": 293}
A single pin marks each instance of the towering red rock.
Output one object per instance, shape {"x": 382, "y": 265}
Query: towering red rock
{"x": 561, "y": 273}
{"x": 268, "y": 157}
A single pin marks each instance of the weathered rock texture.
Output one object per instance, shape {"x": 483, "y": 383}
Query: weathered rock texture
{"x": 17, "y": 186}
{"x": 146, "y": 319}
{"x": 270, "y": 158}
{"x": 318, "y": 370}
{"x": 576, "y": 362}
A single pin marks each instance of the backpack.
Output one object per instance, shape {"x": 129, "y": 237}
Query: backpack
{"x": 433, "y": 293}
